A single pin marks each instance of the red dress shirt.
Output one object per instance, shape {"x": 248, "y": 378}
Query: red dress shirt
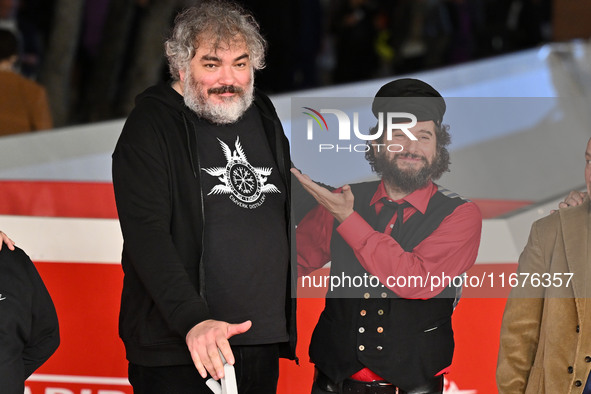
{"x": 449, "y": 251}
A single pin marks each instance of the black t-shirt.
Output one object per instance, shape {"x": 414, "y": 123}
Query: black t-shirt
{"x": 246, "y": 250}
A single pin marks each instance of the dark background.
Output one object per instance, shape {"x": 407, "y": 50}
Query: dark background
{"x": 95, "y": 56}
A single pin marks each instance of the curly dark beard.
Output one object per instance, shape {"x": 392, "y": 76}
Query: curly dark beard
{"x": 406, "y": 181}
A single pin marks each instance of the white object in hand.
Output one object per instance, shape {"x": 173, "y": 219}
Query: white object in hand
{"x": 227, "y": 384}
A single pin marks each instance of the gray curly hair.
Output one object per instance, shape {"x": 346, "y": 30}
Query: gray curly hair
{"x": 223, "y": 22}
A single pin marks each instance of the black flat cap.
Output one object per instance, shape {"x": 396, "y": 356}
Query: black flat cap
{"x": 410, "y": 95}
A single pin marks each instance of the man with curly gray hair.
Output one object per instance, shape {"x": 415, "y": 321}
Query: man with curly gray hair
{"x": 201, "y": 179}
{"x": 215, "y": 29}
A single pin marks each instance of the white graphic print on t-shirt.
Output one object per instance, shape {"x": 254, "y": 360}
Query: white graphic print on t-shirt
{"x": 245, "y": 184}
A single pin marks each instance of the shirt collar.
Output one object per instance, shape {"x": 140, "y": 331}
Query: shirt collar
{"x": 419, "y": 199}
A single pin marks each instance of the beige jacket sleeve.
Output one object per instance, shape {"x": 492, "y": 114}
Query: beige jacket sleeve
{"x": 520, "y": 329}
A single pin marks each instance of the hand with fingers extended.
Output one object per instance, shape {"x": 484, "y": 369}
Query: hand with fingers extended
{"x": 206, "y": 338}
{"x": 573, "y": 199}
{"x": 5, "y": 240}
{"x": 340, "y": 205}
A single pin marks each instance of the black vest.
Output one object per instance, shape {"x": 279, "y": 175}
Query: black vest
{"x": 405, "y": 341}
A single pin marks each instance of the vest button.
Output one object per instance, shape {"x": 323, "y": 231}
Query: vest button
{"x": 361, "y": 348}
{"x": 379, "y": 348}
{"x": 578, "y": 328}
{"x": 366, "y": 296}
{"x": 380, "y": 312}
{"x": 361, "y": 330}
{"x": 588, "y": 359}
{"x": 363, "y": 312}
{"x": 570, "y": 369}
{"x": 578, "y": 383}
{"x": 384, "y": 295}
{"x": 380, "y": 330}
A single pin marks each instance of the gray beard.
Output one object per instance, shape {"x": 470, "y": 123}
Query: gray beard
{"x": 224, "y": 113}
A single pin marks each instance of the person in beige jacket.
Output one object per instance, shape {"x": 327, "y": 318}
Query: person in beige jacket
{"x": 545, "y": 344}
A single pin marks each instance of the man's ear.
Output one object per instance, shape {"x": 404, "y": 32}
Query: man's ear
{"x": 182, "y": 75}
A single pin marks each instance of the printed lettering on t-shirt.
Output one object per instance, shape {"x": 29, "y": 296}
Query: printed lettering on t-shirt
{"x": 245, "y": 184}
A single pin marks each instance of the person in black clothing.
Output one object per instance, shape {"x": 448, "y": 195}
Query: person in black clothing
{"x": 29, "y": 329}
{"x": 202, "y": 185}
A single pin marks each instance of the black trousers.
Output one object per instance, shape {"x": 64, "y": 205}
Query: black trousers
{"x": 257, "y": 372}
{"x": 435, "y": 386}
{"x": 318, "y": 390}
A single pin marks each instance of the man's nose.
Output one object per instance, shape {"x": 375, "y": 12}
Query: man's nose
{"x": 226, "y": 76}
{"x": 411, "y": 146}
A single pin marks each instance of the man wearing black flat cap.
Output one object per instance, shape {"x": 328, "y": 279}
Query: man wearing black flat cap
{"x": 393, "y": 334}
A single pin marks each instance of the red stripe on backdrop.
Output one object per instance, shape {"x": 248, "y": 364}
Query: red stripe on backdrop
{"x": 58, "y": 199}
{"x": 495, "y": 208}
{"x": 96, "y": 200}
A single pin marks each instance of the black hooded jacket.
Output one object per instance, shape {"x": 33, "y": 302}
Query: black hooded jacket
{"x": 156, "y": 177}
{"x": 29, "y": 328}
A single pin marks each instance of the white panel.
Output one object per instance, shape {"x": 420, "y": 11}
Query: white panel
{"x": 65, "y": 239}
